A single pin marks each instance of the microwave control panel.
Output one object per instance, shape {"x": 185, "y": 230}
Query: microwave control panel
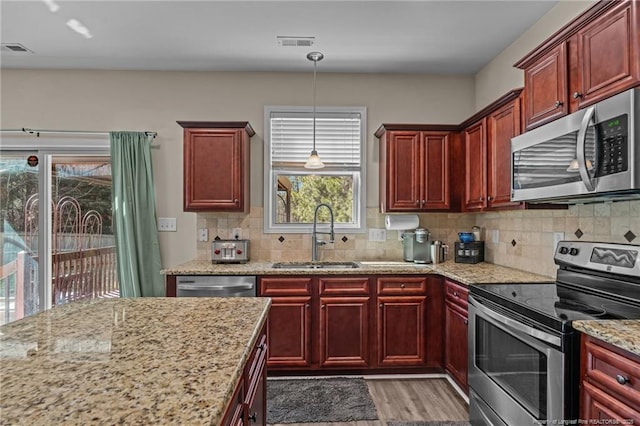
{"x": 613, "y": 152}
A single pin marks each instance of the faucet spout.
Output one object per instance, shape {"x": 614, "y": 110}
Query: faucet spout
{"x": 314, "y": 236}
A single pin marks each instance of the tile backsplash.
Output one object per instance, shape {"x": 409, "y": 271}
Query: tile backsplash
{"x": 520, "y": 239}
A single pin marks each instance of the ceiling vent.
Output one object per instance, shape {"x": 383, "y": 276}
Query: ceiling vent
{"x": 287, "y": 41}
{"x": 13, "y": 48}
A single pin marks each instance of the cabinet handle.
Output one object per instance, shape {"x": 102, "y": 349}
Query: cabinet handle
{"x": 621, "y": 379}
{"x": 577, "y": 95}
{"x": 558, "y": 104}
{"x": 253, "y": 417}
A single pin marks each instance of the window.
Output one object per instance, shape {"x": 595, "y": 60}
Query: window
{"x": 293, "y": 192}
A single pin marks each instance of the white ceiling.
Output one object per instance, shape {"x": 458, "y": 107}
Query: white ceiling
{"x": 449, "y": 37}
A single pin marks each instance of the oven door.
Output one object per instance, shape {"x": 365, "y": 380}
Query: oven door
{"x": 515, "y": 369}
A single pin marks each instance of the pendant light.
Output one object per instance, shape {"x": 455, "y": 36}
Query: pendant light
{"x": 314, "y": 161}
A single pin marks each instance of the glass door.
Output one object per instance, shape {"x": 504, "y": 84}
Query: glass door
{"x": 60, "y": 250}
{"x": 20, "y": 293}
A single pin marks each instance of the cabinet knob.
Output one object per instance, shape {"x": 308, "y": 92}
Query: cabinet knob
{"x": 621, "y": 379}
{"x": 466, "y": 322}
{"x": 417, "y": 202}
{"x": 455, "y": 294}
{"x": 381, "y": 305}
{"x": 306, "y": 305}
{"x": 236, "y": 201}
{"x": 262, "y": 346}
{"x": 558, "y": 104}
{"x": 253, "y": 417}
{"x": 577, "y": 95}
{"x": 481, "y": 199}
{"x": 489, "y": 198}
{"x": 323, "y": 306}
{"x": 402, "y": 286}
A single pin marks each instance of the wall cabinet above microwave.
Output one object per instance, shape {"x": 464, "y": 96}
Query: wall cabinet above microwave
{"x": 595, "y": 56}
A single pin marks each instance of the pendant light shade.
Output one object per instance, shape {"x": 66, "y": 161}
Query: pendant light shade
{"x": 314, "y": 161}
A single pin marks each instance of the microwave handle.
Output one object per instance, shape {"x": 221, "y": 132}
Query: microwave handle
{"x": 580, "y": 149}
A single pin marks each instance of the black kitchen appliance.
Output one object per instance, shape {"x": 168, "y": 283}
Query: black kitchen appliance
{"x": 472, "y": 252}
{"x": 524, "y": 354}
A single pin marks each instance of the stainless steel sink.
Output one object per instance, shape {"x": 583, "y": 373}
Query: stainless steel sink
{"x": 315, "y": 265}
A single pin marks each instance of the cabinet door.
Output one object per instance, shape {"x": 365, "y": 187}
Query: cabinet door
{"x": 608, "y": 55}
{"x": 475, "y": 143}
{"x": 503, "y": 125}
{"x": 456, "y": 346}
{"x": 435, "y": 180}
{"x": 546, "y": 90}
{"x": 215, "y": 173}
{"x": 403, "y": 171}
{"x": 598, "y": 407}
{"x": 401, "y": 331}
{"x": 289, "y": 332}
{"x": 344, "y": 332}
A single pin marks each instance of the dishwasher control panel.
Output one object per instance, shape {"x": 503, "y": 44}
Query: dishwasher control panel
{"x": 230, "y": 251}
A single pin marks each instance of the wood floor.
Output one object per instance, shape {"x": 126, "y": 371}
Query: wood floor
{"x": 410, "y": 400}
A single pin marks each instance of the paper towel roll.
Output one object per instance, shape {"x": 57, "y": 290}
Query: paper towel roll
{"x": 401, "y": 222}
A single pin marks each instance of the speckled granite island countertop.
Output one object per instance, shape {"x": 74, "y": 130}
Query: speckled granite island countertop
{"x": 479, "y": 273}
{"x": 127, "y": 361}
{"x": 624, "y": 334}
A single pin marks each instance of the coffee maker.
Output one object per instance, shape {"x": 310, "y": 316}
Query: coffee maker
{"x": 417, "y": 245}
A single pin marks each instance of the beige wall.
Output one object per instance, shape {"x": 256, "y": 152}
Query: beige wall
{"x": 499, "y": 76}
{"x": 128, "y": 100}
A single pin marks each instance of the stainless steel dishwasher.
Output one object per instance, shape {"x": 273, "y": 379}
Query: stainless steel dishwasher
{"x": 216, "y": 286}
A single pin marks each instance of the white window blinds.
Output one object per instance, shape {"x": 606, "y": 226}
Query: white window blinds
{"x": 338, "y": 138}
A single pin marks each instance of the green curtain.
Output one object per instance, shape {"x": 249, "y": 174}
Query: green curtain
{"x": 134, "y": 216}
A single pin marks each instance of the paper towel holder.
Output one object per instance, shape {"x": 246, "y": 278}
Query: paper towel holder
{"x": 401, "y": 222}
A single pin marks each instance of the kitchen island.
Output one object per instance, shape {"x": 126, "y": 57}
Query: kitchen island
{"x": 128, "y": 361}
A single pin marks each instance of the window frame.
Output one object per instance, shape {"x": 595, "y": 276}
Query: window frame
{"x": 271, "y": 184}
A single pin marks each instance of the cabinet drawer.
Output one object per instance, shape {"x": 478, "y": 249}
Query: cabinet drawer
{"x": 274, "y": 287}
{"x": 402, "y": 285}
{"x": 456, "y": 293}
{"x": 612, "y": 370}
{"x": 344, "y": 286}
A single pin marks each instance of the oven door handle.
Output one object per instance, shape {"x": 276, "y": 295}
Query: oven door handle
{"x": 212, "y": 288}
{"x": 515, "y": 325}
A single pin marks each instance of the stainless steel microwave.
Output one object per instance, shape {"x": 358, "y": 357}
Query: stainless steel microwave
{"x": 590, "y": 155}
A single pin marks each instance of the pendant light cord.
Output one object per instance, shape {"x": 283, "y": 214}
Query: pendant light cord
{"x": 315, "y": 63}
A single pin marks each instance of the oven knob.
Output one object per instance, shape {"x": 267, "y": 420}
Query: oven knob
{"x": 574, "y": 252}
{"x": 239, "y": 251}
{"x": 564, "y": 250}
{"x": 217, "y": 251}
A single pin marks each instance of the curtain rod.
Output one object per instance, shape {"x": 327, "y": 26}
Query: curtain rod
{"x": 83, "y": 132}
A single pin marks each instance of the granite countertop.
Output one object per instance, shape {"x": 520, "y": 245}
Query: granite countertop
{"x": 480, "y": 273}
{"x": 624, "y": 334}
{"x": 127, "y": 361}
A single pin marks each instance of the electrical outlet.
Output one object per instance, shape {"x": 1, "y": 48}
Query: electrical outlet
{"x": 557, "y": 237}
{"x": 167, "y": 224}
{"x": 236, "y": 233}
{"x": 203, "y": 234}
{"x": 377, "y": 234}
{"x": 495, "y": 236}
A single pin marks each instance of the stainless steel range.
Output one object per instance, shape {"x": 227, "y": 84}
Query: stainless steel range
{"x": 524, "y": 355}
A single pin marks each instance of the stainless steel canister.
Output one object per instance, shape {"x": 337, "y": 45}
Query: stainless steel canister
{"x": 437, "y": 251}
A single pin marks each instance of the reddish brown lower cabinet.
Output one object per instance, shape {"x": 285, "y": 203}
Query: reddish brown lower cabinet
{"x": 344, "y": 332}
{"x": 248, "y": 403}
{"x": 610, "y": 386}
{"x": 456, "y": 321}
{"x": 289, "y": 325}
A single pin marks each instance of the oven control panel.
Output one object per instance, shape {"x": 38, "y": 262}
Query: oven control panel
{"x": 605, "y": 257}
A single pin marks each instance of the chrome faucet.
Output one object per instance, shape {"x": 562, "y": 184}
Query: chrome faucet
{"x": 315, "y": 242}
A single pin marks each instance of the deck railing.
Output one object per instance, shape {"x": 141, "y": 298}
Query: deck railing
{"x": 76, "y": 275}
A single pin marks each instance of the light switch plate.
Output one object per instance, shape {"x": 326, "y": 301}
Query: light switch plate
{"x": 495, "y": 236}
{"x": 167, "y": 224}
{"x": 236, "y": 233}
{"x": 377, "y": 234}
{"x": 203, "y": 234}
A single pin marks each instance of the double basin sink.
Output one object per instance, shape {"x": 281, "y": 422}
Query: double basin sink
{"x": 315, "y": 265}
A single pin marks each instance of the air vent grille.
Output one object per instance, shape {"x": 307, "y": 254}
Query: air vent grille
{"x": 14, "y": 48}
{"x": 287, "y": 41}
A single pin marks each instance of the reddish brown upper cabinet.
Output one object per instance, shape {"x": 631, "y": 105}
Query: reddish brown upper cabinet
{"x": 216, "y": 165}
{"x": 415, "y": 167}
{"x": 610, "y": 385}
{"x": 487, "y": 146}
{"x": 593, "y": 57}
